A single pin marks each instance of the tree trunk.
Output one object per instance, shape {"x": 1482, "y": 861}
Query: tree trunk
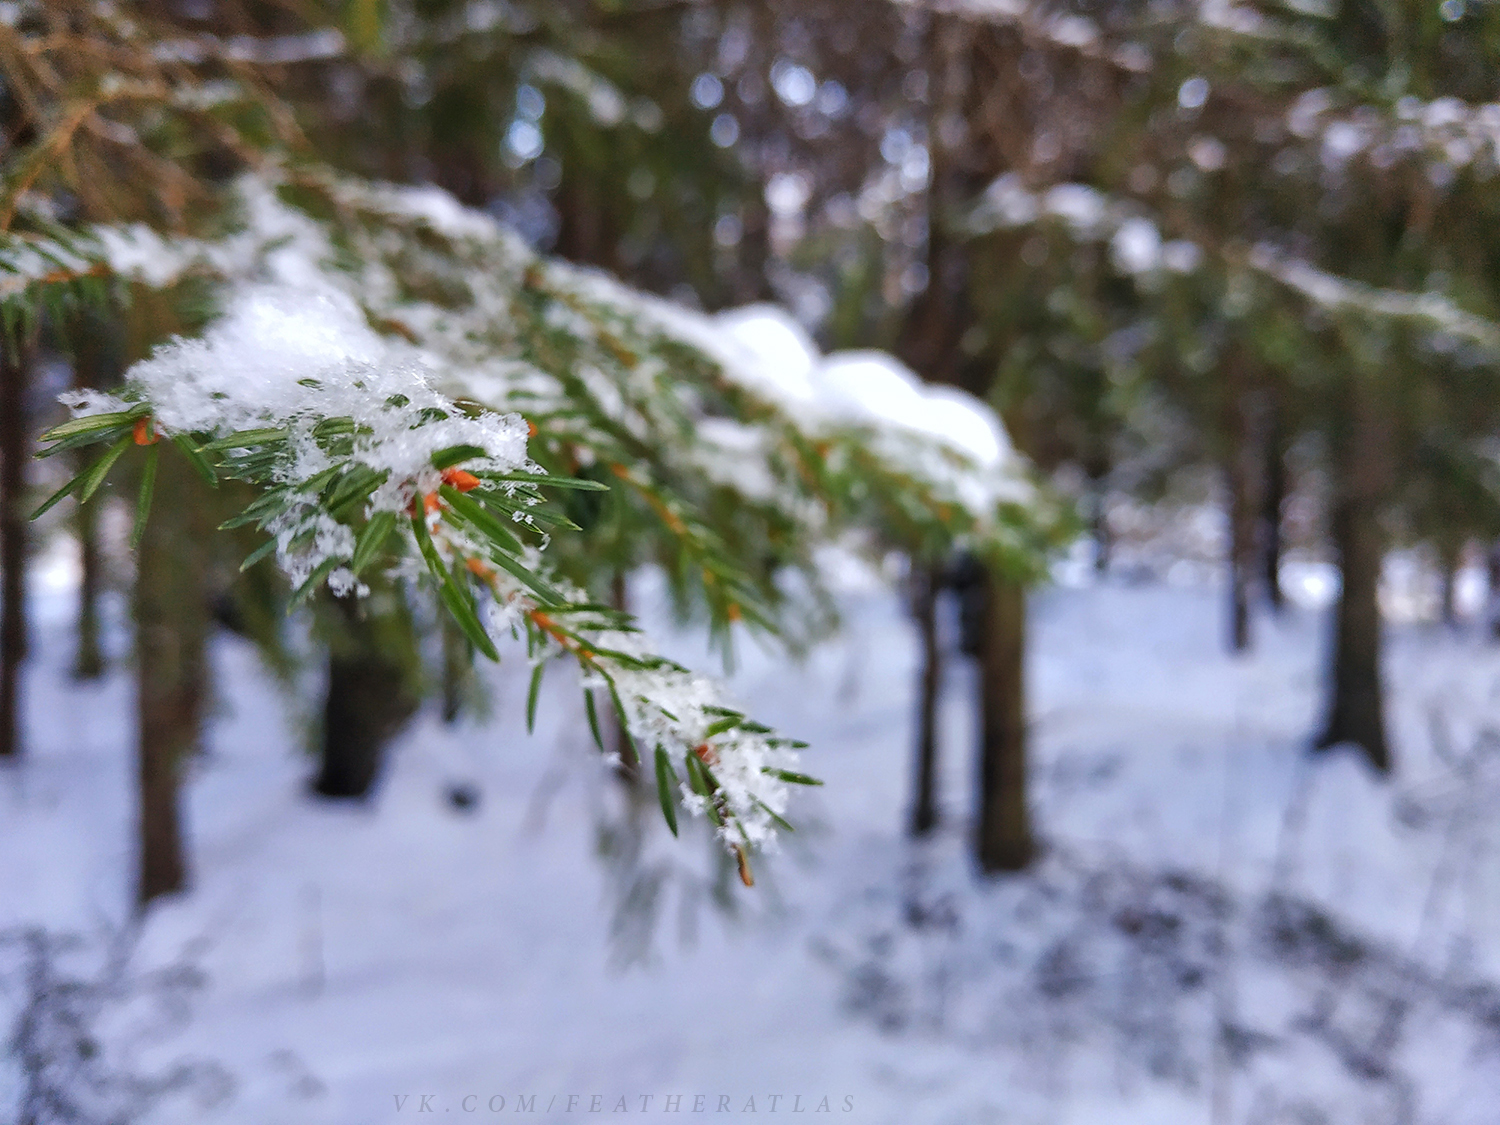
{"x": 1099, "y": 526}
{"x": 94, "y": 367}
{"x": 629, "y": 765}
{"x": 1241, "y": 467}
{"x": 586, "y": 231}
{"x": 752, "y": 278}
{"x": 1272, "y": 501}
{"x": 13, "y": 365}
{"x": 88, "y": 661}
{"x": 458, "y": 669}
{"x": 1356, "y": 710}
{"x": 172, "y": 623}
{"x": 371, "y": 692}
{"x": 1492, "y": 607}
{"x": 356, "y": 724}
{"x": 925, "y": 584}
{"x": 1241, "y": 550}
{"x": 1448, "y": 560}
{"x": 1004, "y": 840}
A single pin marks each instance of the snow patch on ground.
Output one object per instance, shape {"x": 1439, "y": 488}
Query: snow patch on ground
{"x": 1220, "y": 918}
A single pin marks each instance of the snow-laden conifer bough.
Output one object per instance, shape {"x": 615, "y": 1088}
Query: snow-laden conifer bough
{"x": 365, "y": 373}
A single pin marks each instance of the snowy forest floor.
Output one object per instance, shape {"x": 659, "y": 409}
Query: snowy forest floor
{"x": 1223, "y": 928}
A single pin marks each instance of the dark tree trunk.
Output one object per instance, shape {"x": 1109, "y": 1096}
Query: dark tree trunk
{"x": 357, "y": 723}
{"x": 1448, "y": 559}
{"x": 1272, "y": 501}
{"x": 1241, "y": 551}
{"x": 930, "y": 339}
{"x": 751, "y": 281}
{"x": 1099, "y": 526}
{"x": 88, "y": 661}
{"x": 93, "y": 367}
{"x": 13, "y": 366}
{"x": 172, "y": 622}
{"x": 629, "y": 764}
{"x": 370, "y": 696}
{"x": 1492, "y": 609}
{"x": 1356, "y": 712}
{"x": 458, "y": 669}
{"x": 1241, "y": 467}
{"x": 1096, "y": 466}
{"x": 925, "y": 585}
{"x": 586, "y": 231}
{"x": 1004, "y": 840}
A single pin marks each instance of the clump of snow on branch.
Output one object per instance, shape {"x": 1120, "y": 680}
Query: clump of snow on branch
{"x": 290, "y": 359}
{"x": 662, "y": 705}
{"x": 670, "y": 706}
{"x": 942, "y": 435}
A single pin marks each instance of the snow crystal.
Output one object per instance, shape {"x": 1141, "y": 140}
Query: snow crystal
{"x": 289, "y": 359}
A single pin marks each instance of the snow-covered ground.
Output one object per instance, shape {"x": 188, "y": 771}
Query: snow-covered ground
{"x": 1223, "y": 927}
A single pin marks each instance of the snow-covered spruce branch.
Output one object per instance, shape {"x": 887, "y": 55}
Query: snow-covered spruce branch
{"x": 733, "y": 770}
{"x": 599, "y": 396}
{"x": 695, "y": 387}
{"x": 741, "y": 402}
{"x": 1345, "y": 122}
{"x": 362, "y": 464}
{"x": 51, "y": 270}
{"x": 1138, "y": 250}
{"x": 1334, "y": 293}
{"x": 1441, "y": 137}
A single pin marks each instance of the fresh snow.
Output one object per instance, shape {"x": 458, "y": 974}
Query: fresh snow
{"x": 870, "y": 387}
{"x": 942, "y": 435}
{"x": 1202, "y": 870}
{"x": 861, "y": 388}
